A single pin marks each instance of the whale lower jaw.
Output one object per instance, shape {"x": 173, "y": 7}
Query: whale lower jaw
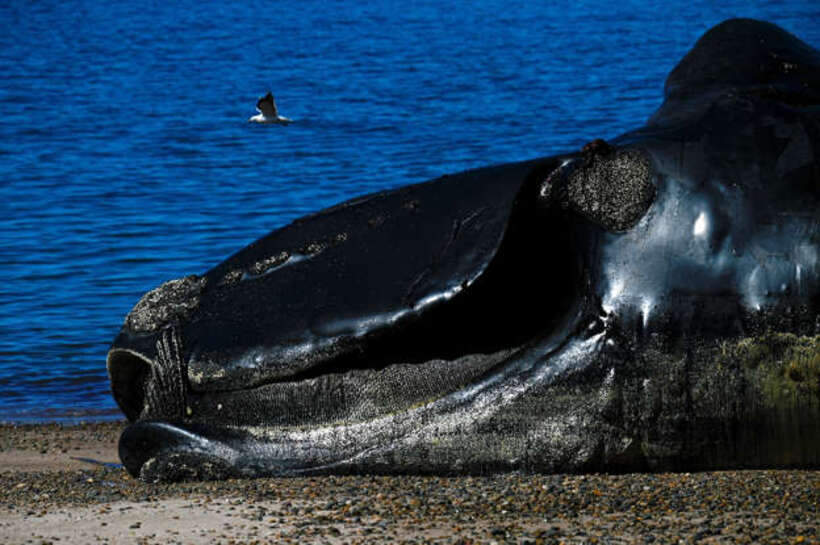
{"x": 397, "y": 442}
{"x": 587, "y": 406}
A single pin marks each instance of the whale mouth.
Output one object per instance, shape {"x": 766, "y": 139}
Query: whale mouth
{"x": 523, "y": 290}
{"x": 526, "y": 291}
{"x": 522, "y": 295}
{"x": 150, "y": 387}
{"x": 129, "y": 373}
{"x": 526, "y": 294}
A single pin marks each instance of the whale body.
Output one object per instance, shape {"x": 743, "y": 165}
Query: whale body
{"x": 647, "y": 303}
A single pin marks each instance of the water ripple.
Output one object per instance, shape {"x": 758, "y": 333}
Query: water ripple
{"x": 126, "y": 158}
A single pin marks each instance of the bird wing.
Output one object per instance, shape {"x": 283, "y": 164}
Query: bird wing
{"x": 267, "y": 106}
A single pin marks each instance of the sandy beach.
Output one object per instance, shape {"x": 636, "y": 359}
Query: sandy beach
{"x": 62, "y": 484}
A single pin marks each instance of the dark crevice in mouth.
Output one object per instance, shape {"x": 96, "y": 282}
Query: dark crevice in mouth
{"x": 129, "y": 373}
{"x": 525, "y": 291}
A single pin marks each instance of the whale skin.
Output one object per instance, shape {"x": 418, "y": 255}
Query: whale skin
{"x": 646, "y": 303}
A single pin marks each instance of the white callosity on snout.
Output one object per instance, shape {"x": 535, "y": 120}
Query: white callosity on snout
{"x": 173, "y": 300}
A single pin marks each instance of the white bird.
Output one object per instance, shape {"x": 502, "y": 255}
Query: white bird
{"x": 268, "y": 113}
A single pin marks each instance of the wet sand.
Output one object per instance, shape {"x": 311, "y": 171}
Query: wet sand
{"x": 55, "y": 489}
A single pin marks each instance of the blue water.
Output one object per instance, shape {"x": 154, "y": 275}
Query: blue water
{"x": 126, "y": 158}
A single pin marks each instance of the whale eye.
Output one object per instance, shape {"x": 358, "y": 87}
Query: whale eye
{"x": 612, "y": 187}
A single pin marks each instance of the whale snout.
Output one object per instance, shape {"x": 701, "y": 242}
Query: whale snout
{"x": 148, "y": 382}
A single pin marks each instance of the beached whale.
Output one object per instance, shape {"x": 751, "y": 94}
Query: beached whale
{"x": 652, "y": 302}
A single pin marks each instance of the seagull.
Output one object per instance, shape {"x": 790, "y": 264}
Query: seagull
{"x": 268, "y": 113}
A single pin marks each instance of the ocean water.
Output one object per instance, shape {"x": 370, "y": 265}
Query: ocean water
{"x": 126, "y": 159}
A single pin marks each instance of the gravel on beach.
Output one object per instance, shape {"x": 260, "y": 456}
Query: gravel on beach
{"x": 97, "y": 503}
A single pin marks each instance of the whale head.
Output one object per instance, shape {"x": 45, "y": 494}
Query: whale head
{"x": 650, "y": 302}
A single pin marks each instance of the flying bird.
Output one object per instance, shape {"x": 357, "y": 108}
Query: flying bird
{"x": 268, "y": 113}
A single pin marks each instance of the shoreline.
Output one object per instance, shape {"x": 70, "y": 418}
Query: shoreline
{"x": 56, "y": 486}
